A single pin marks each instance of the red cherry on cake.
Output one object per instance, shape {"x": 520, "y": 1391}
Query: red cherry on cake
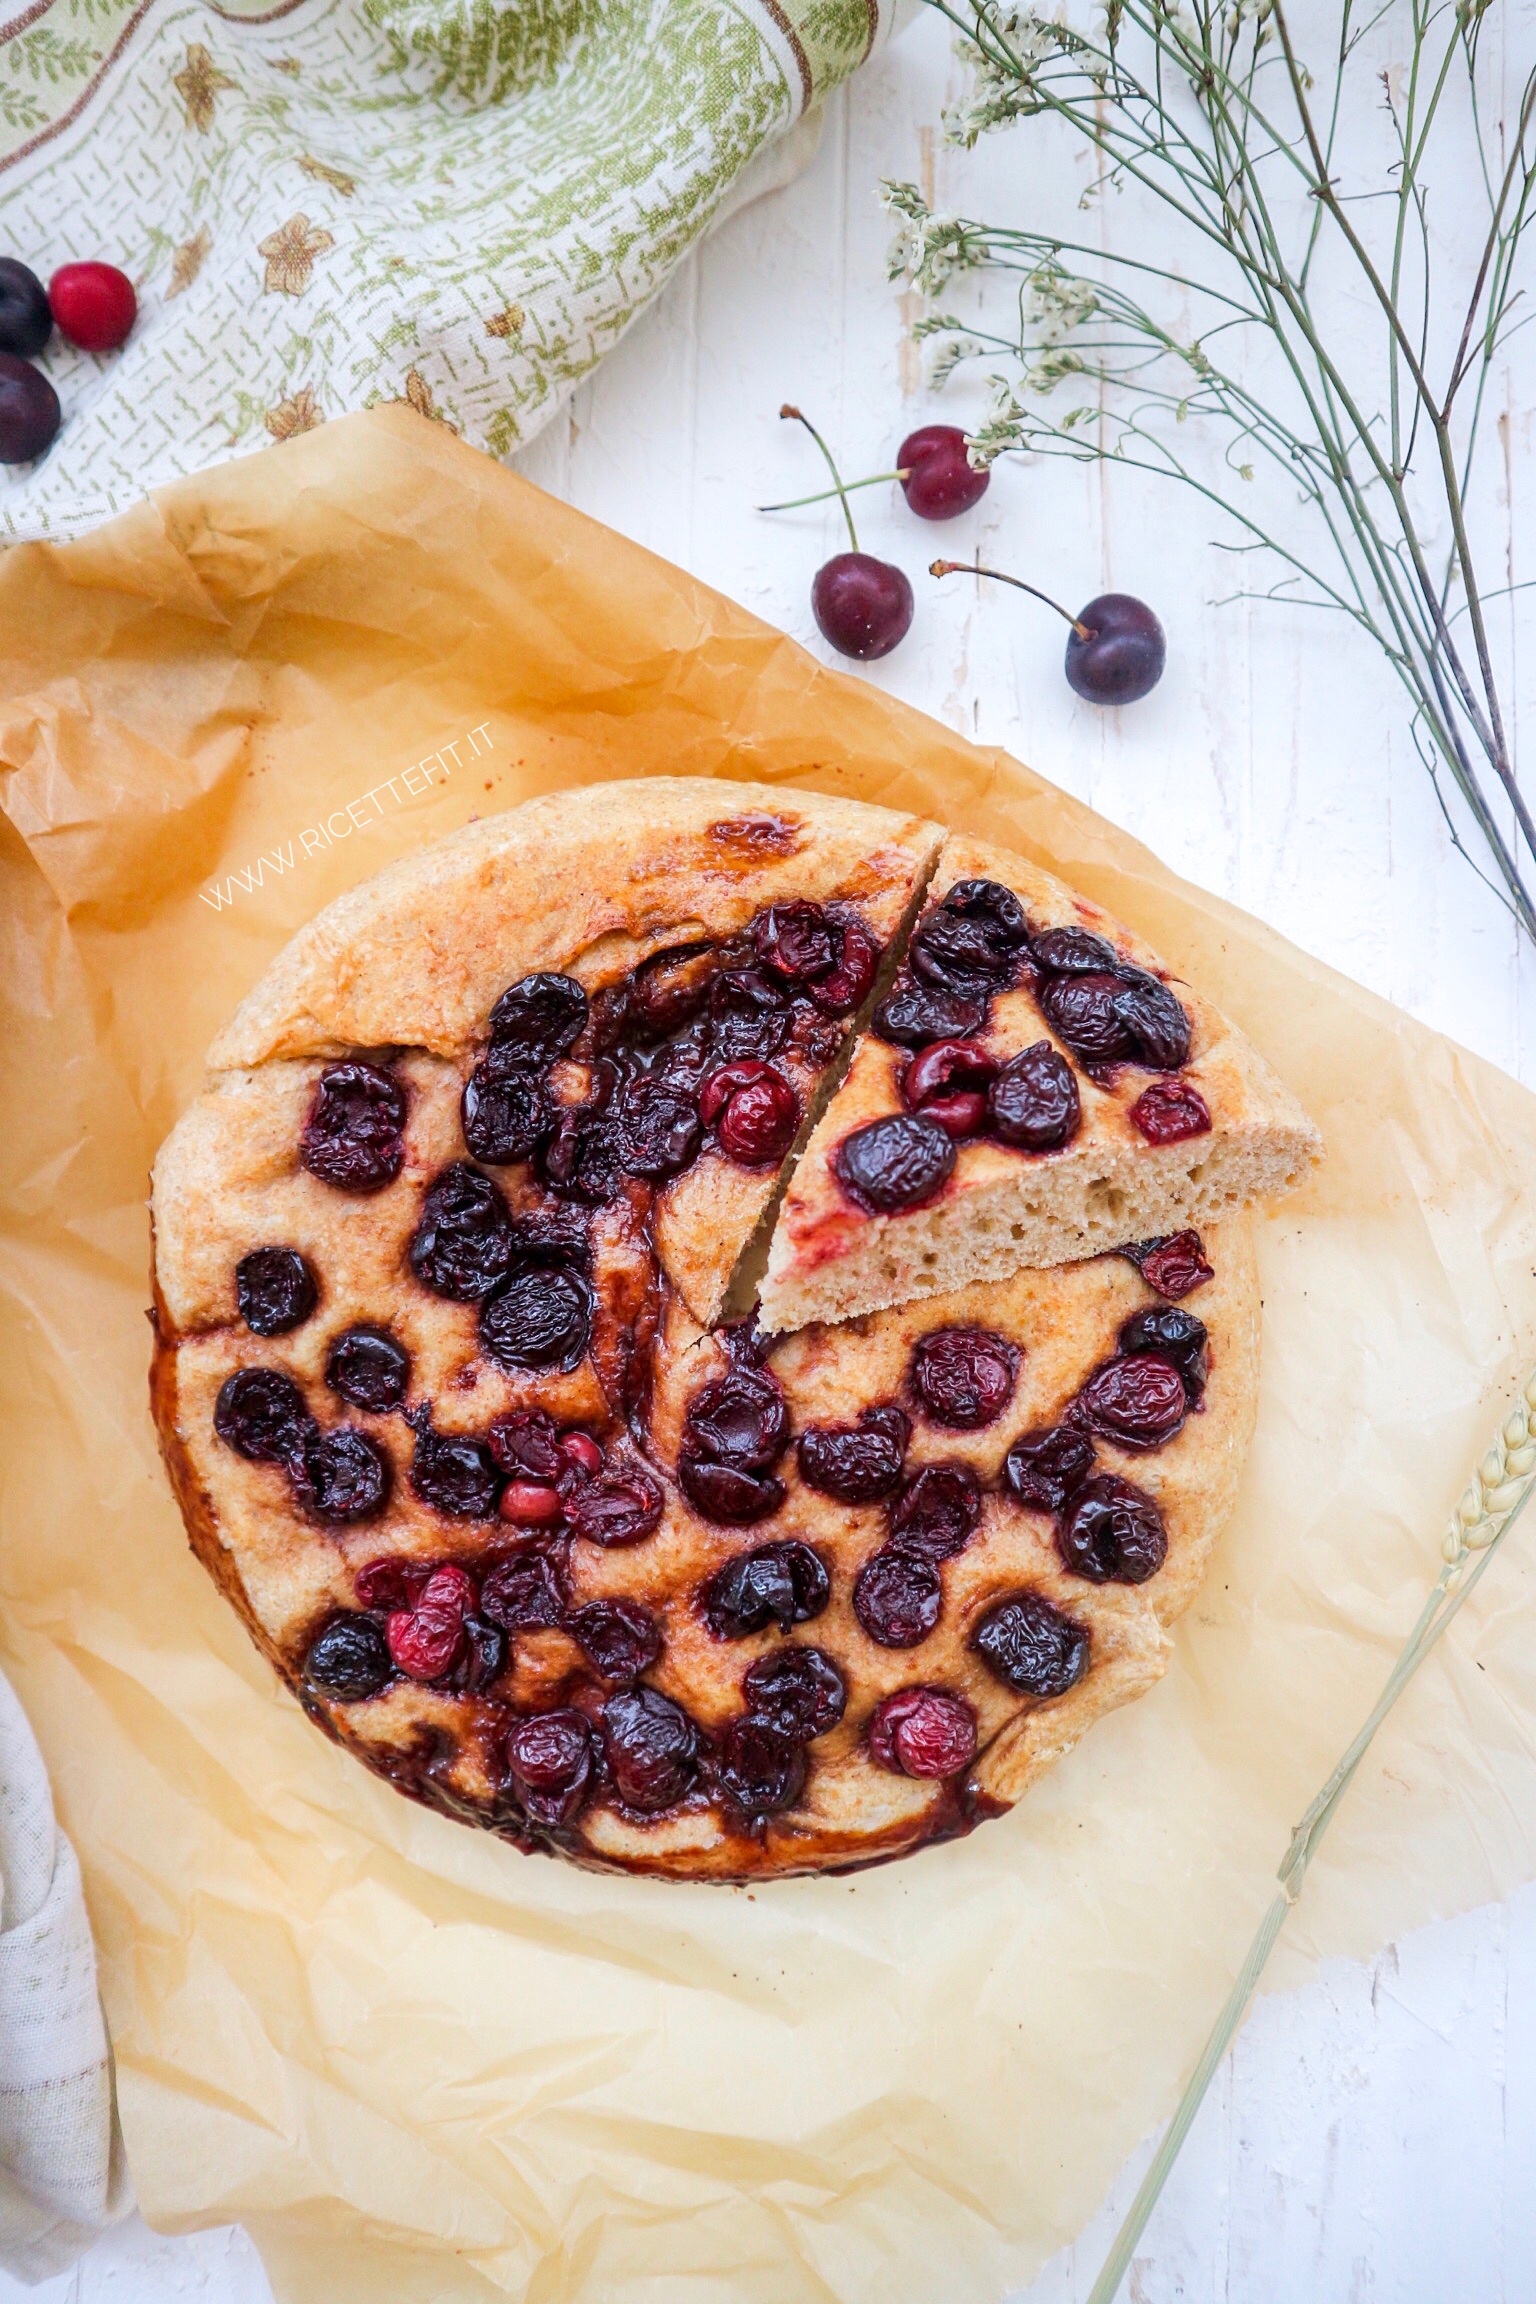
{"x": 94, "y": 305}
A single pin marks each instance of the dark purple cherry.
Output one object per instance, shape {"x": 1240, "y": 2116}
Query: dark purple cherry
{"x": 898, "y": 1597}
{"x": 1171, "y": 1110}
{"x": 30, "y": 415}
{"x": 1177, "y": 1336}
{"x": 260, "y": 1413}
{"x": 937, "y": 477}
{"x": 915, "y": 1015}
{"x": 964, "y": 1377}
{"x": 739, "y": 1419}
{"x": 1075, "y": 952}
{"x": 345, "y": 1476}
{"x": 781, "y": 1584}
{"x": 526, "y": 1444}
{"x": 621, "y": 1505}
{"x": 1084, "y": 1011}
{"x": 759, "y": 1770}
{"x": 275, "y": 1290}
{"x": 1138, "y": 1401}
{"x": 948, "y": 1082}
{"x": 349, "y": 1659}
{"x": 973, "y": 939}
{"x": 1112, "y": 1533}
{"x": 749, "y": 1015}
{"x": 862, "y": 605}
{"x": 1175, "y": 1265}
{"x": 858, "y": 1464}
{"x": 539, "y": 1018}
{"x": 657, "y": 1129}
{"x": 891, "y": 1165}
{"x": 354, "y": 1137}
{"x": 542, "y": 1319}
{"x": 1033, "y": 1103}
{"x": 652, "y": 1748}
{"x": 797, "y": 1690}
{"x": 937, "y": 1512}
{"x": 463, "y": 1245}
{"x": 369, "y": 1369}
{"x": 1116, "y": 650}
{"x": 668, "y": 991}
{"x": 1155, "y": 1019}
{"x": 26, "y": 318}
{"x": 482, "y": 1657}
{"x": 454, "y": 1473}
{"x": 524, "y": 1591}
{"x": 794, "y": 940}
{"x": 619, "y": 1639}
{"x": 506, "y": 1113}
{"x": 550, "y": 1757}
{"x": 721, "y": 1492}
{"x": 1032, "y": 1646}
{"x": 1043, "y": 1469}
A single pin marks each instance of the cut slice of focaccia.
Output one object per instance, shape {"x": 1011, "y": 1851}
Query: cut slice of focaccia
{"x": 1035, "y": 1088}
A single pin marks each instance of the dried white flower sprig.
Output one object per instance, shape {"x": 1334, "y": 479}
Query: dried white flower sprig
{"x": 1495, "y": 1496}
{"x": 1360, "y": 218}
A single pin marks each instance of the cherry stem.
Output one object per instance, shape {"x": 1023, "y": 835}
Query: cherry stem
{"x": 837, "y": 488}
{"x": 822, "y": 494}
{"x": 971, "y": 568}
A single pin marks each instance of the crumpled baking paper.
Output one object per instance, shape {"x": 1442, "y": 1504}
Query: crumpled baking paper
{"x": 416, "y": 2064}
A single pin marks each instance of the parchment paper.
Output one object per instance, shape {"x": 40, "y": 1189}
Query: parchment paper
{"x": 416, "y": 2064}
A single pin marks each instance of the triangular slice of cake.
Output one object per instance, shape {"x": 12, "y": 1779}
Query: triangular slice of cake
{"x": 1035, "y": 1087}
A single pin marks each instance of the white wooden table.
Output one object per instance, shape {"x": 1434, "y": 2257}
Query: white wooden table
{"x": 1374, "y": 2136}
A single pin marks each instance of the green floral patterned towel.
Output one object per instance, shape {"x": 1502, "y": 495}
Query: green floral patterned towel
{"x": 328, "y": 203}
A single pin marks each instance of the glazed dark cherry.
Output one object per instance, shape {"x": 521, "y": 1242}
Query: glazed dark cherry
{"x": 526, "y": 1444}
{"x": 922, "y": 1732}
{"x": 749, "y": 1015}
{"x": 897, "y": 1597}
{"x": 550, "y": 1759}
{"x": 794, "y": 940}
{"x": 539, "y": 1018}
{"x": 735, "y": 1430}
{"x": 657, "y": 1129}
{"x": 506, "y": 1114}
{"x": 1113, "y": 1532}
{"x": 354, "y": 1137}
{"x": 652, "y": 1748}
{"x": 1043, "y": 1469}
{"x": 26, "y": 317}
{"x": 393, "y": 1583}
{"x": 941, "y": 480}
{"x": 1032, "y": 1646}
{"x": 275, "y": 1290}
{"x": 857, "y": 1463}
{"x": 937, "y": 1512}
{"x": 974, "y": 937}
{"x": 1155, "y": 1019}
{"x": 524, "y": 1592}
{"x": 349, "y": 1660}
{"x": 622, "y": 1505}
{"x": 1177, "y": 1336}
{"x": 1139, "y": 1401}
{"x": 848, "y": 982}
{"x": 619, "y": 1639}
{"x": 759, "y": 1770}
{"x": 753, "y": 1110}
{"x": 1084, "y": 1011}
{"x": 797, "y": 1690}
{"x": 1175, "y": 1265}
{"x": 345, "y": 1476}
{"x": 915, "y": 1015}
{"x": 454, "y": 1473}
{"x": 782, "y": 1584}
{"x": 964, "y": 1377}
{"x": 1074, "y": 952}
{"x": 542, "y": 1319}
{"x": 369, "y": 1369}
{"x": 260, "y": 1413}
{"x": 1123, "y": 656}
{"x": 481, "y": 1659}
{"x": 30, "y": 414}
{"x": 948, "y": 1082}
{"x": 1169, "y": 1111}
{"x": 1033, "y": 1103}
{"x": 463, "y": 1245}
{"x": 862, "y": 605}
{"x": 895, "y": 1164}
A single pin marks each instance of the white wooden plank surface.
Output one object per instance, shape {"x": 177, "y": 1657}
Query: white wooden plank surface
{"x": 1374, "y": 2135}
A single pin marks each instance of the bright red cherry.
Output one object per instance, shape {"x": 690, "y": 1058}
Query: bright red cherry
{"x": 937, "y": 477}
{"x": 94, "y": 305}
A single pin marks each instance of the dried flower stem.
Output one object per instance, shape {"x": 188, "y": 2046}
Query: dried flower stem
{"x": 1207, "y": 105}
{"x": 1495, "y": 1496}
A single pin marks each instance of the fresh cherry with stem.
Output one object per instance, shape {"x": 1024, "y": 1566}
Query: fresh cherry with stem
{"x": 861, "y": 604}
{"x": 1116, "y": 649}
{"x": 937, "y": 477}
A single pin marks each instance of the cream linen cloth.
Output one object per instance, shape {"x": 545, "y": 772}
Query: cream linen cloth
{"x": 63, "y": 2177}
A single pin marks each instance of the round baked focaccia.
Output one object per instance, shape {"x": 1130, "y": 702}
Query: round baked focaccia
{"x": 444, "y": 1391}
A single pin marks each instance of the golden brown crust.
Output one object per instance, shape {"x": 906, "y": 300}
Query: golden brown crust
{"x": 230, "y": 1178}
